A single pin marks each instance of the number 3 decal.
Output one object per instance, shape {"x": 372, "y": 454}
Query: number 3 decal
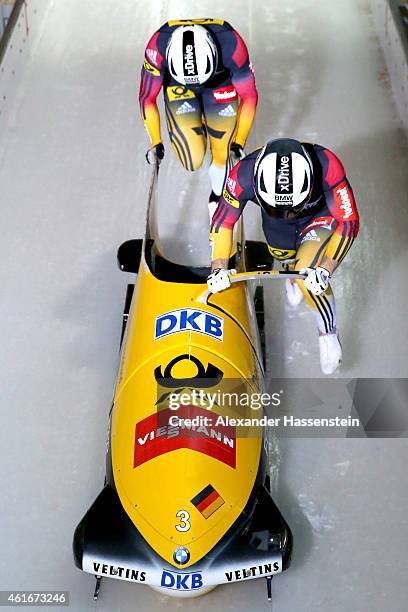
{"x": 184, "y": 524}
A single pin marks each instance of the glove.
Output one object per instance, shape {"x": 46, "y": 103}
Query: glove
{"x": 156, "y": 152}
{"x": 218, "y": 280}
{"x": 237, "y": 150}
{"x": 317, "y": 280}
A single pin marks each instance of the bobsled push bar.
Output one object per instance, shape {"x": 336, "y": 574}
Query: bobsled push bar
{"x": 253, "y": 275}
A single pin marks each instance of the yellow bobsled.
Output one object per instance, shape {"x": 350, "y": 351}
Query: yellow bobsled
{"x": 186, "y": 504}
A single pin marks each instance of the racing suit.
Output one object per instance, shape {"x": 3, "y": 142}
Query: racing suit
{"x": 327, "y": 226}
{"x": 224, "y": 107}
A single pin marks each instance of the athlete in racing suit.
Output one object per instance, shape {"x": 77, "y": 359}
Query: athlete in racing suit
{"x": 309, "y": 218}
{"x": 209, "y": 88}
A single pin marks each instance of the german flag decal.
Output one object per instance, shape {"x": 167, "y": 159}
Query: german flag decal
{"x": 208, "y": 501}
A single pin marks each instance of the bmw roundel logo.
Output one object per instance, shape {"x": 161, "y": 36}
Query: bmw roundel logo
{"x": 181, "y": 555}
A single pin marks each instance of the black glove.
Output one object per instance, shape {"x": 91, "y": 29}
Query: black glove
{"x": 156, "y": 152}
{"x": 237, "y": 150}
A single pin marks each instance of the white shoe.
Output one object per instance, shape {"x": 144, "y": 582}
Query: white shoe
{"x": 293, "y": 293}
{"x": 330, "y": 353}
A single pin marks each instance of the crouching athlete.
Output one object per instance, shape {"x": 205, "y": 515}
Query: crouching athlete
{"x": 310, "y": 221}
{"x": 209, "y": 88}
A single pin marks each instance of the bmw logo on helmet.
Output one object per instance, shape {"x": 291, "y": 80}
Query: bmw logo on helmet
{"x": 181, "y": 555}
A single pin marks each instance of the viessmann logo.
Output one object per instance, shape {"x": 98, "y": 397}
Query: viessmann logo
{"x": 225, "y": 94}
{"x": 154, "y": 436}
{"x": 152, "y": 55}
{"x": 325, "y": 222}
{"x": 345, "y": 205}
{"x": 232, "y": 185}
{"x": 189, "y": 320}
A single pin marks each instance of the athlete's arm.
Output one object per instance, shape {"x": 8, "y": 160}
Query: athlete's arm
{"x": 237, "y": 191}
{"x": 150, "y": 85}
{"x": 243, "y": 79}
{"x": 341, "y": 203}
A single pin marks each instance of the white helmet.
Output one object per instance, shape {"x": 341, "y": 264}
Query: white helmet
{"x": 283, "y": 175}
{"x": 191, "y": 55}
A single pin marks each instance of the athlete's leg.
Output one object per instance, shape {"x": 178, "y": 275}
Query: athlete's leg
{"x": 221, "y": 118}
{"x": 310, "y": 245}
{"x": 184, "y": 123}
{"x": 309, "y": 254}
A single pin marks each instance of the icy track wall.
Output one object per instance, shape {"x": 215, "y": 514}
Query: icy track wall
{"x": 27, "y": 15}
{"x": 18, "y": 41}
{"x": 388, "y": 16}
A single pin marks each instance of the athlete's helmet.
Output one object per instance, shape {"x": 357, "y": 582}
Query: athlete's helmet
{"x": 191, "y": 55}
{"x": 283, "y": 176}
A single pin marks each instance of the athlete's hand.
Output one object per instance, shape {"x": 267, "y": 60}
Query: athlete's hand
{"x": 218, "y": 280}
{"x": 317, "y": 280}
{"x": 154, "y": 153}
{"x": 237, "y": 151}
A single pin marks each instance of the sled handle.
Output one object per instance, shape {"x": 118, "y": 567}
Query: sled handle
{"x": 257, "y": 274}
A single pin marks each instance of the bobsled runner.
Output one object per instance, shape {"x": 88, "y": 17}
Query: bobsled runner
{"x": 187, "y": 503}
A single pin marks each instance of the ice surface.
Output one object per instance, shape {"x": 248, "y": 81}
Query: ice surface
{"x": 74, "y": 185}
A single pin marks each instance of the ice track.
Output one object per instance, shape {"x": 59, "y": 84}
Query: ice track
{"x": 74, "y": 186}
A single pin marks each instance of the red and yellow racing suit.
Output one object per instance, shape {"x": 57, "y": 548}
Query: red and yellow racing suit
{"x": 328, "y": 225}
{"x": 224, "y": 108}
